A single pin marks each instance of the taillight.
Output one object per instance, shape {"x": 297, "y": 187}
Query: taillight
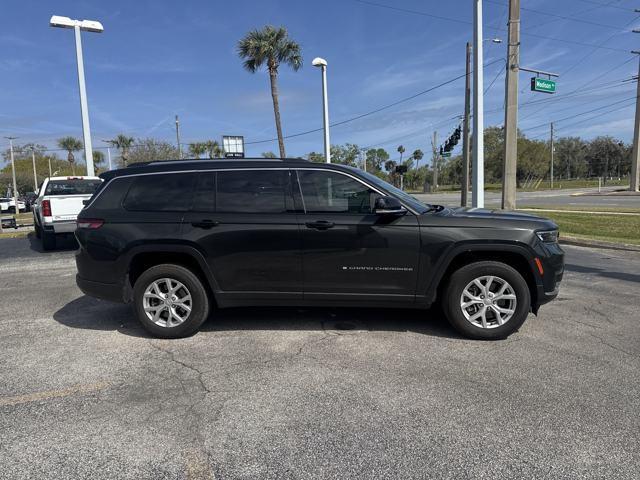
{"x": 46, "y": 208}
{"x": 91, "y": 223}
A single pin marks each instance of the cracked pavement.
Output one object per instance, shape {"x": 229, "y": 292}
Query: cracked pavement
{"x": 277, "y": 393}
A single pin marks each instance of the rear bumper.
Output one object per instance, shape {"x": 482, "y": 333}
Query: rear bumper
{"x": 67, "y": 226}
{"x": 114, "y": 292}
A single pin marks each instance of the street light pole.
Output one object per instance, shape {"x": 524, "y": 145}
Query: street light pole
{"x": 465, "y": 132}
{"x": 635, "y": 157}
{"x": 35, "y": 176}
{"x": 13, "y": 173}
{"x": 478, "y": 109}
{"x": 322, "y": 63}
{"x": 84, "y": 108}
{"x": 551, "y": 167}
{"x": 89, "y": 26}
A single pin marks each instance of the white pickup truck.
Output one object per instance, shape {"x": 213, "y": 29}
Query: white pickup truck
{"x": 59, "y": 201}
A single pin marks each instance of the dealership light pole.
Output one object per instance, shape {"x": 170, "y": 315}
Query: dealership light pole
{"x": 13, "y": 173}
{"x": 477, "y": 199}
{"x": 322, "y": 63}
{"x": 35, "y": 175}
{"x": 87, "y": 26}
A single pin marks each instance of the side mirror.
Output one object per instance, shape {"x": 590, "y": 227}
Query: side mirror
{"x": 388, "y": 206}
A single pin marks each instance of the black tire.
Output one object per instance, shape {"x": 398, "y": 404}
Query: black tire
{"x": 48, "y": 240}
{"x": 12, "y": 209}
{"x": 451, "y": 301}
{"x": 38, "y": 230}
{"x": 199, "y": 301}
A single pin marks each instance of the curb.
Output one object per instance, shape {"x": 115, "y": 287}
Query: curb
{"x": 583, "y": 242}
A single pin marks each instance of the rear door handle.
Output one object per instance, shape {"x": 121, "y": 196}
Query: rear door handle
{"x": 320, "y": 225}
{"x": 206, "y": 224}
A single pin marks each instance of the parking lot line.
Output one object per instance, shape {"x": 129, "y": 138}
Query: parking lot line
{"x": 49, "y": 394}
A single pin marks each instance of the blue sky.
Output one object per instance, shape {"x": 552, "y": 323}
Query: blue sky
{"x": 159, "y": 58}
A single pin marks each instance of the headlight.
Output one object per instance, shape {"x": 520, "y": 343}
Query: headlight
{"x": 548, "y": 236}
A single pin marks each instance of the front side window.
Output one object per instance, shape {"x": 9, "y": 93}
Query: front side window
{"x": 252, "y": 191}
{"x": 331, "y": 192}
{"x": 170, "y": 192}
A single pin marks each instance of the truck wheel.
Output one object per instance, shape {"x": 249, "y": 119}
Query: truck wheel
{"x": 486, "y": 300}
{"x": 38, "y": 230}
{"x": 170, "y": 301}
{"x": 48, "y": 240}
{"x": 12, "y": 209}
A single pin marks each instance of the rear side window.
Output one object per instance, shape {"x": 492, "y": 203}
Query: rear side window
{"x": 72, "y": 187}
{"x": 170, "y": 192}
{"x": 204, "y": 200}
{"x": 252, "y": 191}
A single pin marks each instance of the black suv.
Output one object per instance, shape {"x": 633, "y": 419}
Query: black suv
{"x": 177, "y": 238}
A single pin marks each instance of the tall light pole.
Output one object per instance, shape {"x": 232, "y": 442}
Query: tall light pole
{"x": 13, "y": 173}
{"x": 477, "y": 199}
{"x": 87, "y": 26}
{"x": 322, "y": 63}
{"x": 35, "y": 175}
{"x": 634, "y": 180}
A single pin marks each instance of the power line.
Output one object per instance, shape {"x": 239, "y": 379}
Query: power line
{"x": 592, "y": 2}
{"x": 456, "y": 20}
{"x": 562, "y": 17}
{"x": 377, "y": 110}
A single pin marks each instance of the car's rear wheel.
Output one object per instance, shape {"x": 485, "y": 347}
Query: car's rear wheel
{"x": 38, "y": 230}
{"x": 170, "y": 301}
{"x": 486, "y": 300}
{"x": 48, "y": 240}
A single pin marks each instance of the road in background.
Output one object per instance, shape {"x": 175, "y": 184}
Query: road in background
{"x": 274, "y": 393}
{"x": 563, "y": 198}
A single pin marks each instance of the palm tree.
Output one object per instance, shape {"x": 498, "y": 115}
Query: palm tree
{"x": 123, "y": 144}
{"x": 214, "y": 149}
{"x": 271, "y": 46}
{"x": 197, "y": 149}
{"x": 389, "y": 165}
{"x": 98, "y": 158}
{"x": 417, "y": 156}
{"x": 70, "y": 144}
{"x": 401, "y": 151}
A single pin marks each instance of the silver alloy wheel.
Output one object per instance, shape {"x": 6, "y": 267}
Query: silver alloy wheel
{"x": 167, "y": 302}
{"x": 488, "y": 302}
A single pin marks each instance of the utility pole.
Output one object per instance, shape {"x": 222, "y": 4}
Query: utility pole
{"x": 434, "y": 148}
{"x": 35, "y": 176}
{"x": 478, "y": 109}
{"x": 465, "y": 132}
{"x": 551, "y": 169}
{"x": 13, "y": 172}
{"x": 178, "y": 138}
{"x": 510, "y": 165}
{"x": 49, "y": 158}
{"x": 635, "y": 171}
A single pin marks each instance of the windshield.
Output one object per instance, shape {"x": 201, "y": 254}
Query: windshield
{"x": 411, "y": 201}
{"x": 72, "y": 187}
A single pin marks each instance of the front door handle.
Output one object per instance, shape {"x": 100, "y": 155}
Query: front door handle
{"x": 320, "y": 225}
{"x": 206, "y": 224}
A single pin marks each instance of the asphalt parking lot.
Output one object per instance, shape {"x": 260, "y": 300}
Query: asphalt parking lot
{"x": 274, "y": 393}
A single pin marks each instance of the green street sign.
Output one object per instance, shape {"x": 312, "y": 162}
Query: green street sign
{"x": 543, "y": 85}
{"x": 446, "y": 154}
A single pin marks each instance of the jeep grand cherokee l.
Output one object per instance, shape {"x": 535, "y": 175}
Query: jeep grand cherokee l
{"x": 180, "y": 237}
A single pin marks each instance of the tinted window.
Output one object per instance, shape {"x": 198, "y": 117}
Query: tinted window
{"x": 72, "y": 187}
{"x": 330, "y": 192}
{"x": 204, "y": 200}
{"x": 252, "y": 191}
{"x": 169, "y": 192}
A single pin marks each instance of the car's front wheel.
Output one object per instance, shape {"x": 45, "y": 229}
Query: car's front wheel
{"x": 170, "y": 301}
{"x": 486, "y": 300}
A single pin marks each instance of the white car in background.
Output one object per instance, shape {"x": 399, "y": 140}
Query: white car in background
{"x": 59, "y": 201}
{"x": 9, "y": 205}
